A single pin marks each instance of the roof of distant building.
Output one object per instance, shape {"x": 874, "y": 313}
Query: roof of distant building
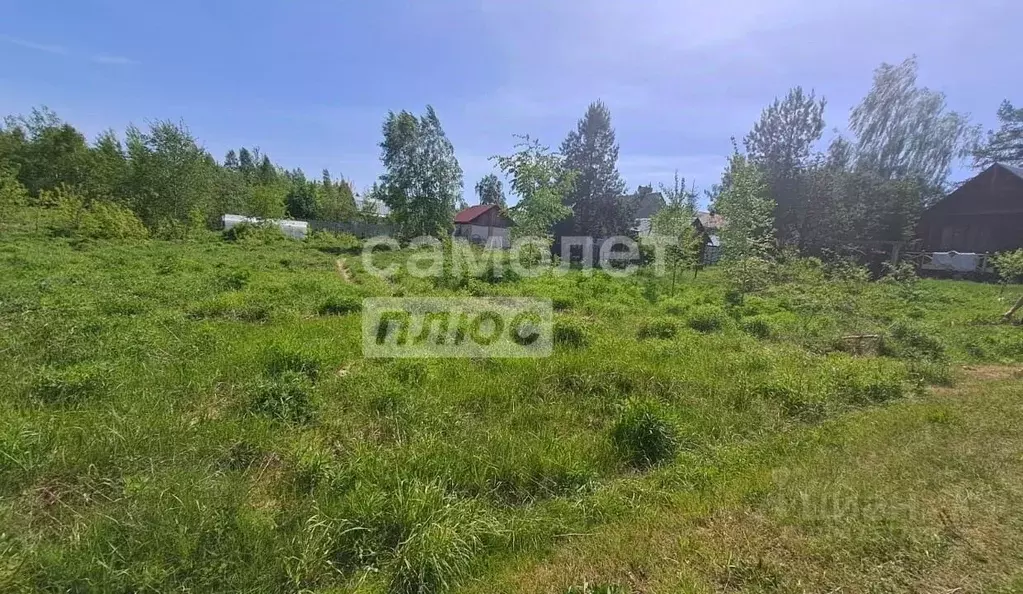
{"x": 1017, "y": 171}
{"x": 647, "y": 205}
{"x": 472, "y": 213}
{"x": 710, "y": 221}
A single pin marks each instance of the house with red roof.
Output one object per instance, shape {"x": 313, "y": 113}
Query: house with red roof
{"x": 484, "y": 224}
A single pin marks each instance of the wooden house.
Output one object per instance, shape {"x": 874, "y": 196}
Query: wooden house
{"x": 984, "y": 215}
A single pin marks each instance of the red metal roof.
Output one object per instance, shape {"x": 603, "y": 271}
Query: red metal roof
{"x": 473, "y": 212}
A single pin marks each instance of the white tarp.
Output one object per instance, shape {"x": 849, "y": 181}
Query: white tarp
{"x": 955, "y": 261}
{"x": 293, "y": 229}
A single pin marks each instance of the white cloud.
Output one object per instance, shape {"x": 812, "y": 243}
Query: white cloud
{"x": 114, "y": 60}
{"x": 41, "y": 47}
{"x": 60, "y": 50}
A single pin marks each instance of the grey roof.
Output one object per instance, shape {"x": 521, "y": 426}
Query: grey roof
{"x": 710, "y": 221}
{"x": 648, "y": 204}
{"x": 1017, "y": 171}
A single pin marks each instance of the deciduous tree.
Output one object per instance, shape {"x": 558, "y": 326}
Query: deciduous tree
{"x": 423, "y": 181}
{"x": 490, "y": 190}
{"x": 541, "y": 181}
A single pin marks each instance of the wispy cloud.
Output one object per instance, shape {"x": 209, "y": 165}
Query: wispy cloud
{"x": 115, "y": 60}
{"x": 60, "y": 50}
{"x": 41, "y": 47}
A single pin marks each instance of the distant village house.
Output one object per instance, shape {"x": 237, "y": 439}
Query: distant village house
{"x": 484, "y": 224}
{"x": 983, "y": 215}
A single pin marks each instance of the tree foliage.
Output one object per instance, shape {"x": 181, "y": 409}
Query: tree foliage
{"x": 675, "y": 224}
{"x": 423, "y": 181}
{"x": 748, "y": 237}
{"x": 1004, "y": 145}
{"x": 905, "y": 131}
{"x": 490, "y": 190}
{"x": 541, "y": 181}
{"x": 781, "y": 145}
{"x": 597, "y": 198}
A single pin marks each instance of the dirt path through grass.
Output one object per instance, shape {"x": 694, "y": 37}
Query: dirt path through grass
{"x": 918, "y": 496}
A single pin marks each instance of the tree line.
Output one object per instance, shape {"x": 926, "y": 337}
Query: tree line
{"x": 783, "y": 177}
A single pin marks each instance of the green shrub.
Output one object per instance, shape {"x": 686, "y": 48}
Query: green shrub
{"x": 340, "y": 305}
{"x": 643, "y": 436}
{"x": 98, "y": 219}
{"x": 255, "y": 233}
{"x": 285, "y": 397}
{"x": 562, "y": 303}
{"x": 794, "y": 402}
{"x": 428, "y": 537}
{"x": 68, "y": 385}
{"x": 707, "y": 318}
{"x": 570, "y": 333}
{"x": 234, "y": 280}
{"x": 663, "y": 328}
{"x": 280, "y": 360}
{"x": 868, "y": 384}
{"x": 410, "y": 372}
{"x": 909, "y": 340}
{"x": 675, "y": 307}
{"x": 759, "y": 326}
{"x": 1009, "y": 266}
{"x": 334, "y": 243}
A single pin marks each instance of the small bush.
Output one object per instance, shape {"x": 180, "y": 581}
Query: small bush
{"x": 570, "y": 333}
{"x": 801, "y": 404}
{"x": 410, "y": 372}
{"x": 707, "y": 318}
{"x": 234, "y": 280}
{"x": 99, "y": 219}
{"x": 759, "y": 326}
{"x": 1009, "y": 266}
{"x": 643, "y": 436}
{"x": 340, "y": 305}
{"x": 281, "y": 360}
{"x": 562, "y": 303}
{"x": 663, "y": 328}
{"x": 334, "y": 243}
{"x": 864, "y": 385}
{"x": 911, "y": 341}
{"x": 932, "y": 373}
{"x": 256, "y": 233}
{"x": 675, "y": 307}
{"x": 68, "y": 385}
{"x": 286, "y": 398}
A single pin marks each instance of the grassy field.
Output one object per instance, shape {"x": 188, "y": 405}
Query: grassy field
{"x": 197, "y": 416}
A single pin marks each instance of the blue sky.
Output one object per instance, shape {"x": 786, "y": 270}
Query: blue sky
{"x": 309, "y": 81}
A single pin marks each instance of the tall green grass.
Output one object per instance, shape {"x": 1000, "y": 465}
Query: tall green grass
{"x": 198, "y": 416}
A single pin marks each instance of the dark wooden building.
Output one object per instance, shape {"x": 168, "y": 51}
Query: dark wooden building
{"x": 984, "y": 215}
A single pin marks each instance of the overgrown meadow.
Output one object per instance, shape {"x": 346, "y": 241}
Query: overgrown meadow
{"x": 197, "y": 415}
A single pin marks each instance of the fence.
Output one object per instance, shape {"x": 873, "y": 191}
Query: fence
{"x": 359, "y": 229}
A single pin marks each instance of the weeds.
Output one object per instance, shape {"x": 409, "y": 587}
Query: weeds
{"x": 643, "y": 436}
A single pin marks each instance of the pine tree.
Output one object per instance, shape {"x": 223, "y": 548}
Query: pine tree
{"x": 231, "y": 160}
{"x": 598, "y": 205}
{"x": 246, "y": 163}
{"x": 781, "y": 145}
{"x": 1005, "y": 145}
